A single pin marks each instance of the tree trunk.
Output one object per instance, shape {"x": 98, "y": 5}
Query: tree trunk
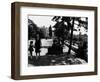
{"x": 71, "y": 37}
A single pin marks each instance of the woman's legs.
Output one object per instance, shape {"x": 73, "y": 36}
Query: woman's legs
{"x": 36, "y": 55}
{"x": 31, "y": 53}
{"x": 39, "y": 54}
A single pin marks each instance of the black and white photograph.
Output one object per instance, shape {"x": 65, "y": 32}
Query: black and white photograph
{"x": 57, "y": 40}
{"x": 50, "y": 40}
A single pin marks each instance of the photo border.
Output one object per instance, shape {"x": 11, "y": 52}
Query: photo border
{"x": 15, "y": 40}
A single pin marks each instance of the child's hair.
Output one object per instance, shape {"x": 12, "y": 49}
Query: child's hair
{"x": 31, "y": 42}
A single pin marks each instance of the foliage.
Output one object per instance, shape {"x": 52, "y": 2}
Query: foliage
{"x": 65, "y": 25}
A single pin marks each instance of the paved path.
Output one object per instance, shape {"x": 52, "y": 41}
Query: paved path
{"x": 43, "y": 60}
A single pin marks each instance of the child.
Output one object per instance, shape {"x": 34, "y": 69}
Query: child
{"x": 31, "y": 48}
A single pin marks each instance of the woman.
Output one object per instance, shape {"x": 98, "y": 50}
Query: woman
{"x": 37, "y": 45}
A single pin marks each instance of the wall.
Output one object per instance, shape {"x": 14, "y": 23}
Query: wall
{"x": 5, "y": 40}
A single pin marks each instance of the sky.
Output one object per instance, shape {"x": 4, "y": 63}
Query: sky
{"x": 42, "y": 20}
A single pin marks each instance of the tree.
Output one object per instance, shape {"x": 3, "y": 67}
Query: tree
{"x": 32, "y": 29}
{"x": 71, "y": 37}
{"x": 62, "y": 29}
